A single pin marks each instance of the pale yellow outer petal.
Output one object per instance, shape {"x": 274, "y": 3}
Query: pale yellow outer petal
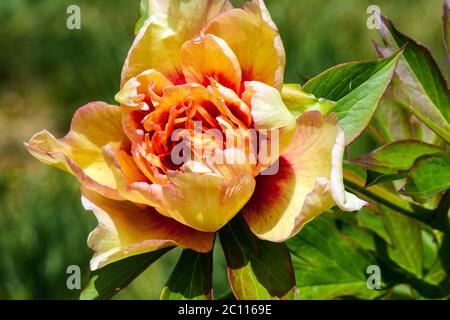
{"x": 190, "y": 14}
{"x": 80, "y": 151}
{"x": 344, "y": 200}
{"x": 208, "y": 56}
{"x": 302, "y": 189}
{"x": 271, "y": 116}
{"x": 125, "y": 230}
{"x": 254, "y": 38}
{"x": 171, "y": 23}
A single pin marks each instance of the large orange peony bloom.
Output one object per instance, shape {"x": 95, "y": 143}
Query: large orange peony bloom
{"x": 198, "y": 67}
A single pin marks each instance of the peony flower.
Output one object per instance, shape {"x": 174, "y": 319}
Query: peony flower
{"x": 197, "y": 68}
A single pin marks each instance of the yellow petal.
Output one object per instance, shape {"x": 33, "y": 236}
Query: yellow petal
{"x": 80, "y": 151}
{"x": 302, "y": 189}
{"x": 171, "y": 23}
{"x": 197, "y": 196}
{"x": 270, "y": 114}
{"x": 190, "y": 14}
{"x": 255, "y": 40}
{"x": 208, "y": 56}
{"x": 126, "y": 230}
{"x": 206, "y": 201}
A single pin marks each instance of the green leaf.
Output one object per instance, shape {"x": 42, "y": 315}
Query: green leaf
{"x": 401, "y": 292}
{"x": 298, "y": 101}
{"x": 391, "y": 122}
{"x": 429, "y": 177}
{"x": 388, "y": 162}
{"x": 370, "y": 220}
{"x": 364, "y": 219}
{"x": 374, "y": 178}
{"x": 394, "y": 122}
{"x": 355, "y": 179}
{"x": 420, "y": 85}
{"x": 109, "y": 280}
{"x": 363, "y": 237}
{"x": 430, "y": 249}
{"x": 191, "y": 279}
{"x": 396, "y": 156}
{"x": 357, "y": 88}
{"x": 143, "y": 15}
{"x": 446, "y": 27}
{"x": 327, "y": 265}
{"x": 436, "y": 275}
{"x": 440, "y": 273}
{"x": 406, "y": 249}
{"x": 257, "y": 269}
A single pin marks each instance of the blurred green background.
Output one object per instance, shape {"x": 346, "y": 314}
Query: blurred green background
{"x": 48, "y": 71}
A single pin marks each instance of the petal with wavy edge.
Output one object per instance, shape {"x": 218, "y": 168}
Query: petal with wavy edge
{"x": 134, "y": 91}
{"x": 170, "y": 24}
{"x": 192, "y": 14}
{"x": 345, "y": 201}
{"x": 79, "y": 152}
{"x": 283, "y": 203}
{"x": 269, "y": 113}
{"x": 208, "y": 56}
{"x": 204, "y": 198}
{"x": 206, "y": 201}
{"x": 131, "y": 183}
{"x": 224, "y": 98}
{"x": 126, "y": 230}
{"x": 254, "y": 38}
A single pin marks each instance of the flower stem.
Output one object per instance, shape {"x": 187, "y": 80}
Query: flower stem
{"x": 387, "y": 198}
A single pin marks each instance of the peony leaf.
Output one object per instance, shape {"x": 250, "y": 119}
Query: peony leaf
{"x": 357, "y": 89}
{"x": 372, "y": 221}
{"x": 191, "y": 279}
{"x": 407, "y": 248}
{"x": 391, "y": 161}
{"x": 257, "y": 269}
{"x": 393, "y": 122}
{"x": 109, "y": 280}
{"x": 399, "y": 155}
{"x": 429, "y": 177}
{"x": 363, "y": 237}
{"x": 446, "y": 27}
{"x": 419, "y": 84}
{"x": 327, "y": 265}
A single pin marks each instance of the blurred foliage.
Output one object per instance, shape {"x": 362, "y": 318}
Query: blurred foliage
{"x": 48, "y": 71}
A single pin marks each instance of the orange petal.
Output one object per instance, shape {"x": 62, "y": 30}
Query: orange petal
{"x": 255, "y": 40}
{"x": 131, "y": 183}
{"x": 142, "y": 86}
{"x": 80, "y": 151}
{"x": 210, "y": 57}
{"x": 303, "y": 187}
{"x": 171, "y": 23}
{"x": 126, "y": 230}
{"x": 230, "y": 105}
